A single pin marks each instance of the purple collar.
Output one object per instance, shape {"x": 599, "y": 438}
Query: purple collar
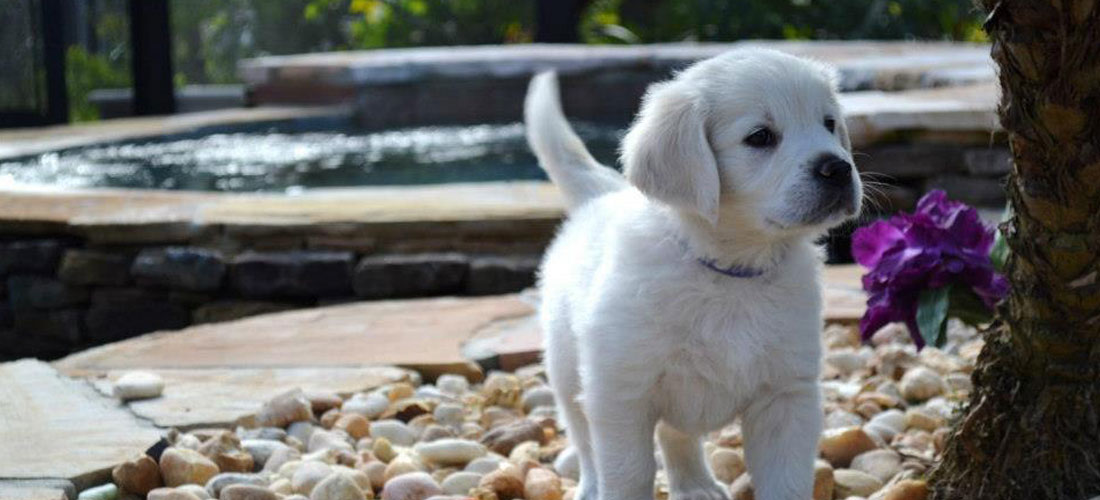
{"x": 733, "y": 271}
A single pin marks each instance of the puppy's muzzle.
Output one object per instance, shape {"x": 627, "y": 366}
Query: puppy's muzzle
{"x": 835, "y": 175}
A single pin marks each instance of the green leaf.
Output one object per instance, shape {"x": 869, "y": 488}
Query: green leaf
{"x": 932, "y": 315}
{"x": 968, "y": 307}
{"x": 999, "y": 253}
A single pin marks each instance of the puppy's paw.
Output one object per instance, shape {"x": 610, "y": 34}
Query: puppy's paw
{"x": 586, "y": 490}
{"x": 701, "y": 490}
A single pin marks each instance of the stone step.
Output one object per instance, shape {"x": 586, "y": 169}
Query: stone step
{"x": 53, "y": 427}
{"x": 432, "y": 336}
{"x": 225, "y": 397}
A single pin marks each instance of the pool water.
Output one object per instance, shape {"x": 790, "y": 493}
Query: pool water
{"x": 281, "y": 160}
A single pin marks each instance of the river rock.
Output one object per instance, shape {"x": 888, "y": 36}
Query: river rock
{"x": 288, "y": 407}
{"x": 281, "y": 486}
{"x": 450, "y": 451}
{"x": 308, "y": 475}
{"x": 742, "y": 489}
{"x": 527, "y": 451}
{"x": 140, "y": 475}
{"x": 453, "y": 384}
{"x": 882, "y": 463}
{"x": 535, "y": 397}
{"x": 907, "y": 489}
{"x": 959, "y": 382}
{"x": 435, "y": 432}
{"x": 322, "y": 401}
{"x": 484, "y": 465}
{"x": 845, "y": 361}
{"x": 267, "y": 433}
{"x": 541, "y": 484}
{"x": 280, "y": 457}
{"x": 727, "y": 464}
{"x": 383, "y": 450}
{"x": 370, "y": 405}
{"x": 842, "y": 418}
{"x": 247, "y": 492}
{"x": 412, "y": 486}
{"x": 502, "y": 439}
{"x": 505, "y": 482}
{"x": 357, "y": 426}
{"x": 224, "y": 450}
{"x": 886, "y": 424}
{"x": 337, "y": 487}
{"x": 138, "y": 385}
{"x": 823, "y": 480}
{"x": 917, "y": 418}
{"x": 920, "y": 384}
{"x": 840, "y": 446}
{"x": 194, "y": 489}
{"x": 403, "y": 464}
{"x": 461, "y": 482}
{"x": 850, "y": 483}
{"x": 376, "y": 473}
{"x": 261, "y": 449}
{"x": 182, "y": 466}
{"x": 328, "y": 440}
{"x": 172, "y": 494}
{"x": 395, "y": 431}
{"x": 449, "y": 414}
{"x": 219, "y": 482}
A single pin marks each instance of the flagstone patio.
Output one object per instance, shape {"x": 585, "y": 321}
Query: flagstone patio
{"x": 63, "y": 427}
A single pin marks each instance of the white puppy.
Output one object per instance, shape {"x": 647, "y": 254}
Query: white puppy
{"x": 687, "y": 293}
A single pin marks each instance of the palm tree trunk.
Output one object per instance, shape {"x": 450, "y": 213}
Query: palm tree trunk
{"x": 1032, "y": 427}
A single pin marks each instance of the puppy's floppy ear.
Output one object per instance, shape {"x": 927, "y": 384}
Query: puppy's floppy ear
{"x": 666, "y": 154}
{"x": 832, "y": 76}
{"x": 842, "y": 132}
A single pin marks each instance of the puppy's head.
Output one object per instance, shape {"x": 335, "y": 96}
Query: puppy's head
{"x": 751, "y": 137}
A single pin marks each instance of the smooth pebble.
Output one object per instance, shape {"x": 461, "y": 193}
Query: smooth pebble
{"x": 412, "y": 486}
{"x": 393, "y": 430}
{"x": 450, "y": 451}
{"x": 460, "y": 483}
{"x": 138, "y": 385}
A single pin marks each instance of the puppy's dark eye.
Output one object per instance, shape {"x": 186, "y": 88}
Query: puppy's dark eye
{"x": 830, "y": 125}
{"x": 762, "y": 137}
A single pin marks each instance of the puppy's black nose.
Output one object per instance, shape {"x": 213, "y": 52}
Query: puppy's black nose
{"x": 833, "y": 171}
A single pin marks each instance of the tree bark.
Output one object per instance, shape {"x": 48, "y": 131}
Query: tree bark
{"x": 1032, "y": 426}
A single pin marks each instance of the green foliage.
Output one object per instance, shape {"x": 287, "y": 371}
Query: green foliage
{"x": 729, "y": 20}
{"x": 406, "y": 23}
{"x": 85, "y": 72}
{"x": 935, "y": 305}
{"x": 1000, "y": 251}
{"x": 211, "y": 36}
{"x": 932, "y": 314}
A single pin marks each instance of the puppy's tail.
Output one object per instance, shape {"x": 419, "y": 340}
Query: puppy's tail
{"x": 560, "y": 152}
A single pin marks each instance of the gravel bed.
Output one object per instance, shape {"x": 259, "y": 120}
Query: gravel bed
{"x": 887, "y": 411}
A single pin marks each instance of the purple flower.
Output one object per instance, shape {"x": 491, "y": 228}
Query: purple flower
{"x": 942, "y": 243}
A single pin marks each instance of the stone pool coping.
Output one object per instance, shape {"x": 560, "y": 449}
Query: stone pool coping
{"x": 138, "y": 216}
{"x": 15, "y": 143}
{"x": 862, "y": 64}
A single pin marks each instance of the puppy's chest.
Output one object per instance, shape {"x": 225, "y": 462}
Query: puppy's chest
{"x": 728, "y": 347}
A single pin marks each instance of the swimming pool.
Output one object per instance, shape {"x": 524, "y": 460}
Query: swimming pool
{"x": 288, "y": 158}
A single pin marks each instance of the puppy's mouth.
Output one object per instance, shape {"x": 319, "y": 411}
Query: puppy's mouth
{"x": 776, "y": 224}
{"x": 828, "y": 210}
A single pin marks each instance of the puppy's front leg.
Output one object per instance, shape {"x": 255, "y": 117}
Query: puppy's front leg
{"x": 622, "y": 435}
{"x": 689, "y": 478}
{"x": 781, "y": 435}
